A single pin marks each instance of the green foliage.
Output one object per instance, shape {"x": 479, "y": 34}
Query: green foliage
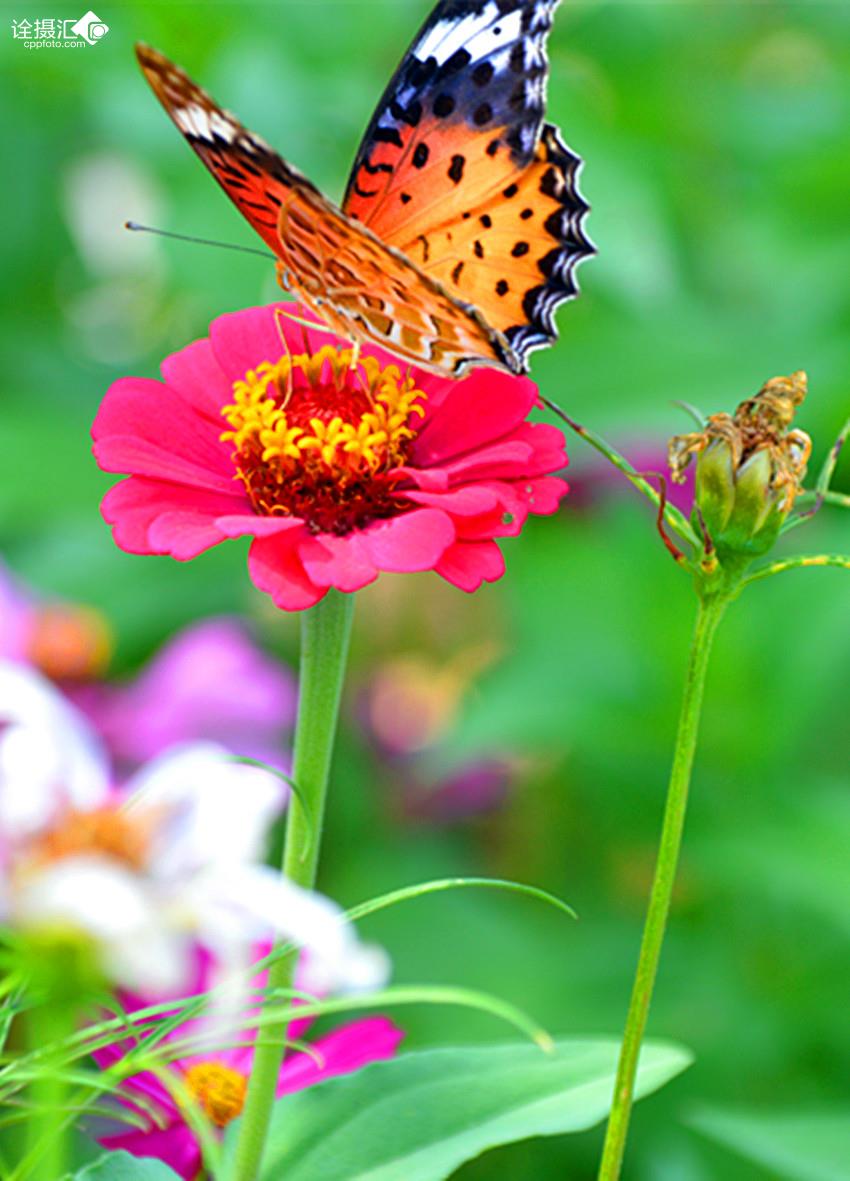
{"x": 718, "y": 166}
{"x": 423, "y": 1114}
{"x": 796, "y": 1145}
{"x": 121, "y": 1166}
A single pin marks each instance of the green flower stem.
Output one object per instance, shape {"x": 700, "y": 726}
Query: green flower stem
{"x": 325, "y": 632}
{"x": 841, "y": 499}
{"x": 799, "y": 563}
{"x": 46, "y": 1157}
{"x": 674, "y": 517}
{"x": 709, "y": 614}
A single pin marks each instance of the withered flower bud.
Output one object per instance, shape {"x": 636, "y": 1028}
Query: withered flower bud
{"x": 750, "y": 468}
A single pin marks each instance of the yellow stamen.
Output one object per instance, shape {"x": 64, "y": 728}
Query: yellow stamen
{"x": 330, "y": 418}
{"x": 219, "y": 1089}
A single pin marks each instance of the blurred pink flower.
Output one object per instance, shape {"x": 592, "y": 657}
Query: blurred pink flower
{"x": 473, "y": 790}
{"x": 593, "y": 478}
{"x": 216, "y": 1076}
{"x": 337, "y": 471}
{"x": 68, "y": 642}
{"x": 210, "y": 681}
{"x": 15, "y": 614}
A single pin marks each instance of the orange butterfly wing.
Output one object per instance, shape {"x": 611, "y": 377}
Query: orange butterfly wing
{"x": 360, "y": 286}
{"x": 252, "y": 174}
{"x": 458, "y": 170}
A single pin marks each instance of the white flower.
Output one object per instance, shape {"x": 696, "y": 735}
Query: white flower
{"x": 49, "y": 758}
{"x": 172, "y": 859}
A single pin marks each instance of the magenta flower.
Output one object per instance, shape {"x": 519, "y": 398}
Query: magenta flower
{"x": 597, "y": 480}
{"x": 471, "y": 791}
{"x": 338, "y": 468}
{"x": 217, "y": 1079}
{"x": 210, "y": 681}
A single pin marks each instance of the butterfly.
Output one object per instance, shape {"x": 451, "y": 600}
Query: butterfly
{"x": 462, "y": 223}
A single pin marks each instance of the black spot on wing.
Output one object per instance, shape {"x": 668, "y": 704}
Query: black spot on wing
{"x": 455, "y": 172}
{"x": 497, "y": 78}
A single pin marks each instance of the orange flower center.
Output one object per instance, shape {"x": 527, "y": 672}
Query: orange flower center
{"x": 69, "y": 643}
{"x": 320, "y": 437}
{"x": 219, "y": 1090}
{"x": 104, "y": 832}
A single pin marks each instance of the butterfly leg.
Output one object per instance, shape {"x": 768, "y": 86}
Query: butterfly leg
{"x": 284, "y": 276}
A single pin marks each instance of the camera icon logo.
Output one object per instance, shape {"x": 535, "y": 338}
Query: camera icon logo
{"x": 90, "y": 27}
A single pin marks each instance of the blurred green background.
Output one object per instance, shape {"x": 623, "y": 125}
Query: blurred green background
{"x": 718, "y": 167}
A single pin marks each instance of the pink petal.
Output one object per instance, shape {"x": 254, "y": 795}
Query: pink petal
{"x": 183, "y": 535}
{"x": 543, "y": 494}
{"x": 275, "y": 567}
{"x": 144, "y": 429}
{"x": 343, "y": 1051}
{"x": 133, "y": 506}
{"x": 144, "y": 1084}
{"x": 469, "y": 563}
{"x": 533, "y": 449}
{"x": 507, "y": 459}
{"x": 461, "y": 502}
{"x": 412, "y": 541}
{"x": 251, "y": 525}
{"x": 549, "y": 447}
{"x": 242, "y": 340}
{"x": 428, "y": 479}
{"x": 198, "y": 378}
{"x": 482, "y": 408}
{"x": 175, "y": 1146}
{"x": 342, "y": 562}
{"x": 505, "y": 519}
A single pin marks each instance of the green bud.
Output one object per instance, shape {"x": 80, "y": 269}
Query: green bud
{"x": 750, "y": 467}
{"x": 715, "y": 485}
{"x": 752, "y": 502}
{"x": 765, "y": 538}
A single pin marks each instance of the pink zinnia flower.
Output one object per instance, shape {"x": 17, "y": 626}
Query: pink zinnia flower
{"x": 337, "y": 469}
{"x": 218, "y": 1078}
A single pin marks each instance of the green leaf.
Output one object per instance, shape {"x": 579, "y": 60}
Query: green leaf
{"x": 812, "y": 1146}
{"x": 121, "y": 1166}
{"x": 406, "y": 893}
{"x": 421, "y": 1115}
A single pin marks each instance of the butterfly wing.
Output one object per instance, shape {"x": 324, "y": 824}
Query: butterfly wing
{"x": 252, "y": 174}
{"x": 458, "y": 170}
{"x": 363, "y": 288}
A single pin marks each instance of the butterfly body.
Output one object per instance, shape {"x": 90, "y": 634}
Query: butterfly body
{"x": 462, "y": 224}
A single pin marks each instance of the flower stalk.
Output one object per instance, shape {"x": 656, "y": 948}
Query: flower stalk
{"x": 325, "y": 634}
{"x": 46, "y": 1159}
{"x": 749, "y": 474}
{"x": 708, "y": 617}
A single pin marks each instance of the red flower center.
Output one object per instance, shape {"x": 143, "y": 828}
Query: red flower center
{"x": 322, "y": 437}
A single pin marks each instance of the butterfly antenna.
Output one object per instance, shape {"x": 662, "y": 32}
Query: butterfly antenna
{"x": 290, "y": 378}
{"x": 140, "y": 229}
